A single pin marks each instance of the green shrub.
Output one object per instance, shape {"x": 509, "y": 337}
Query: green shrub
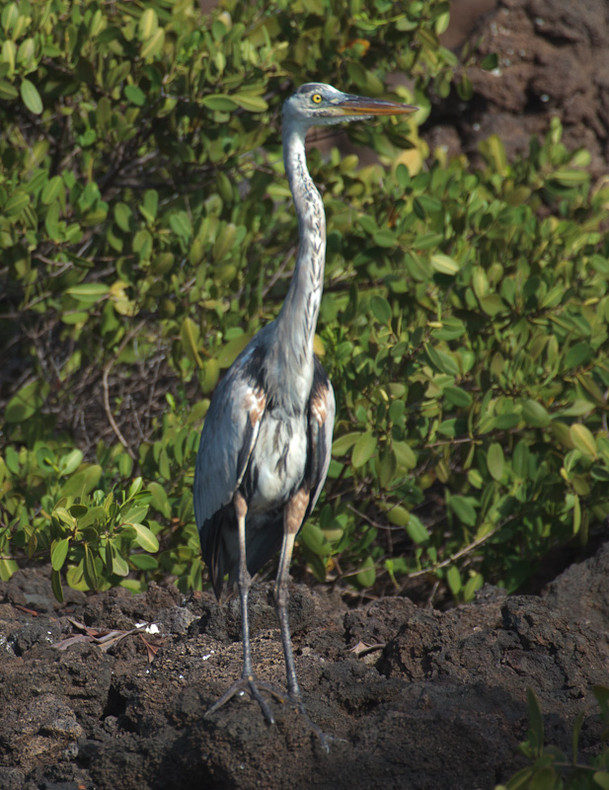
{"x": 550, "y": 768}
{"x": 147, "y": 232}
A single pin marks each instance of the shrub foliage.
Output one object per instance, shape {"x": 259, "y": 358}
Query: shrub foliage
{"x": 147, "y": 232}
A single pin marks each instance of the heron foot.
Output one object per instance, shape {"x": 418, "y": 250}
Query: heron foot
{"x": 324, "y": 739}
{"x": 253, "y": 687}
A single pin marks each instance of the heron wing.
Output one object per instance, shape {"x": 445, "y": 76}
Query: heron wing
{"x": 227, "y": 440}
{"x": 322, "y": 408}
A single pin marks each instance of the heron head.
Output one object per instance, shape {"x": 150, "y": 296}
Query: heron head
{"x": 317, "y": 104}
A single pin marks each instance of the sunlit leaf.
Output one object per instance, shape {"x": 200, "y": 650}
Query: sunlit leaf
{"x": 31, "y": 97}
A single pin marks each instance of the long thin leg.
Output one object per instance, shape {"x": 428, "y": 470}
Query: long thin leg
{"x": 293, "y": 517}
{"x": 247, "y": 682}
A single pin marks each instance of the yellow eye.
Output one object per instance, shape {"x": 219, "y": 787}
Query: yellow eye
{"x": 316, "y": 98}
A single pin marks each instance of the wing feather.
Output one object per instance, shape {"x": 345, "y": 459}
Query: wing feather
{"x": 227, "y": 440}
{"x": 322, "y": 408}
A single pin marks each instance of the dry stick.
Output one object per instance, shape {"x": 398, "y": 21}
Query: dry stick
{"x": 457, "y": 555}
{"x": 106, "y": 373}
{"x": 280, "y": 271}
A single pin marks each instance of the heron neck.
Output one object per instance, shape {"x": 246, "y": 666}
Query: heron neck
{"x": 298, "y": 317}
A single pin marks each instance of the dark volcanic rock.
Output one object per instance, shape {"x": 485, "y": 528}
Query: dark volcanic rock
{"x": 410, "y": 697}
{"x": 552, "y": 62}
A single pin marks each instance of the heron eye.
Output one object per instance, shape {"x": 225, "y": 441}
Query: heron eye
{"x": 316, "y": 98}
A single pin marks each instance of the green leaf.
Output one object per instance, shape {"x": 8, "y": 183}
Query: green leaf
{"x": 417, "y": 532}
{"x": 70, "y": 462}
{"x": 8, "y": 92}
{"x": 314, "y": 539}
{"x": 490, "y": 62}
{"x": 577, "y": 728}
{"x": 117, "y": 563}
{"x": 578, "y": 354}
{"x": 249, "y": 102}
{"x": 88, "y": 293}
{"x": 144, "y": 562}
{"x": 571, "y": 178}
{"x": 90, "y": 569}
{"x": 28, "y": 400}
{"x": 180, "y": 224}
{"x": 405, "y": 455}
{"x": 31, "y": 97}
{"x": 122, "y": 216}
{"x": 344, "y": 443}
{"x": 536, "y": 728}
{"x": 457, "y": 396}
{"x": 363, "y": 449}
{"x": 453, "y": 578}
{"x": 398, "y": 516}
{"x": 366, "y": 576}
{"x": 59, "y": 552}
{"x": 463, "y": 509}
{"x": 381, "y": 309}
{"x": 56, "y": 585}
{"x": 135, "y": 95}
{"x": 583, "y": 439}
{"x": 145, "y": 538}
{"x": 219, "y": 102}
{"x": 154, "y": 45}
{"x": 159, "y": 498}
{"x": 148, "y": 24}
{"x": 444, "y": 264}
{"x": 495, "y": 461}
{"x": 16, "y": 203}
{"x": 82, "y": 482}
{"x": 601, "y": 778}
{"x": 190, "y": 335}
{"x": 52, "y": 189}
{"x": 386, "y": 467}
{"x": 8, "y": 567}
{"x": 441, "y": 361}
{"x": 231, "y": 350}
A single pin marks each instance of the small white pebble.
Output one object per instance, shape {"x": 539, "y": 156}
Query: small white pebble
{"x": 152, "y": 629}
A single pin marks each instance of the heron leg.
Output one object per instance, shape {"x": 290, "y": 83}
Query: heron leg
{"x": 293, "y": 517}
{"x": 247, "y": 681}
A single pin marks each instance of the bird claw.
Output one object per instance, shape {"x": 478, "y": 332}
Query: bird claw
{"x": 323, "y": 738}
{"x": 253, "y": 687}
{"x": 250, "y": 685}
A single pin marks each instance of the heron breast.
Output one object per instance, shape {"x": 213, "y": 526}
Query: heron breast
{"x": 279, "y": 459}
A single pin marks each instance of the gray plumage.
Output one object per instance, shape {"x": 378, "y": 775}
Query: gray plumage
{"x": 266, "y": 442}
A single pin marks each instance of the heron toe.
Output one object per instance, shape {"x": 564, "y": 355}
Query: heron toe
{"x": 253, "y": 687}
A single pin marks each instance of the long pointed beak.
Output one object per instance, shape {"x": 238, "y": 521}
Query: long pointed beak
{"x": 359, "y": 105}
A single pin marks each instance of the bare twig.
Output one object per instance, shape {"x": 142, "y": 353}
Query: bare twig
{"x": 456, "y": 556}
{"x": 107, "y": 368}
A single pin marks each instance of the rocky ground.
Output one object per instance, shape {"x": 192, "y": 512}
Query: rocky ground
{"x": 552, "y": 61}
{"x": 409, "y": 697}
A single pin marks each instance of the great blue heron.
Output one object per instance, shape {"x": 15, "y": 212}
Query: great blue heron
{"x": 266, "y": 441}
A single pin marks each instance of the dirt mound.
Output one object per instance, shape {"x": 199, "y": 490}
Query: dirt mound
{"x": 411, "y": 698}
